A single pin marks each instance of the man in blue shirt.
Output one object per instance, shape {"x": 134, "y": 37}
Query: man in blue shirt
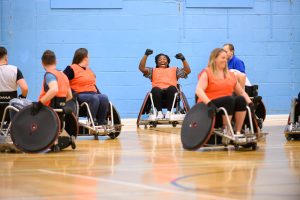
{"x": 233, "y": 61}
{"x": 236, "y": 65}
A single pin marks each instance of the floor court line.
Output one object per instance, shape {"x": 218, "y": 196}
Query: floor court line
{"x": 136, "y": 185}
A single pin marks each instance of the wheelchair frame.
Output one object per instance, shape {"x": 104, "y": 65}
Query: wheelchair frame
{"x": 176, "y": 117}
{"x": 248, "y": 139}
{"x": 5, "y": 131}
{"x": 87, "y": 126}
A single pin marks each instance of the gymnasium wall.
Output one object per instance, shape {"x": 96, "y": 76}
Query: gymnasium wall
{"x": 266, "y": 35}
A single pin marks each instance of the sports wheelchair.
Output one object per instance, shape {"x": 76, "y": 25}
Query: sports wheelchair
{"x": 292, "y": 129}
{"x": 148, "y": 112}
{"x": 200, "y": 130}
{"x": 48, "y": 130}
{"x": 86, "y": 124}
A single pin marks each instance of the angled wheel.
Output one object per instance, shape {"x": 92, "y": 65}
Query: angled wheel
{"x": 154, "y": 124}
{"x": 254, "y": 146}
{"x": 116, "y": 122}
{"x": 288, "y": 138}
{"x": 197, "y": 127}
{"x": 35, "y": 133}
{"x": 174, "y": 124}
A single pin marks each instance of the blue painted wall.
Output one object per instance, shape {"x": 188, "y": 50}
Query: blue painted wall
{"x": 266, "y": 34}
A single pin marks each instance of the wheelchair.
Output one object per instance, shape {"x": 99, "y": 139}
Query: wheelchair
{"x": 48, "y": 130}
{"x": 200, "y": 130}
{"x": 148, "y": 112}
{"x": 292, "y": 129}
{"x": 87, "y": 126}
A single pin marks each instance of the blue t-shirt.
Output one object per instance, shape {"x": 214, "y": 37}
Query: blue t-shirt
{"x": 49, "y": 78}
{"x": 236, "y": 63}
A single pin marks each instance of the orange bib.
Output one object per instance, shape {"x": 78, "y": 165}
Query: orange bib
{"x": 217, "y": 88}
{"x": 84, "y": 80}
{"x": 164, "y": 77}
{"x": 62, "y": 82}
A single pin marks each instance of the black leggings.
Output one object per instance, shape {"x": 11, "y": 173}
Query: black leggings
{"x": 231, "y": 103}
{"x": 160, "y": 94}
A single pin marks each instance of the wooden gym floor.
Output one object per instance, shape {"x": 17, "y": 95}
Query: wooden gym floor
{"x": 151, "y": 164}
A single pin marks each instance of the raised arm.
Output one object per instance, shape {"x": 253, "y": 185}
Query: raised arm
{"x": 142, "y": 66}
{"x": 186, "y": 66}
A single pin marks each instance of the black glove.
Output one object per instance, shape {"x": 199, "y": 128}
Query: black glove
{"x": 180, "y": 56}
{"x": 36, "y": 107}
{"x": 212, "y": 109}
{"x": 21, "y": 97}
{"x": 148, "y": 52}
{"x": 251, "y": 106}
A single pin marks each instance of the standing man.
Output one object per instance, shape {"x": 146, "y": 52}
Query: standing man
{"x": 236, "y": 65}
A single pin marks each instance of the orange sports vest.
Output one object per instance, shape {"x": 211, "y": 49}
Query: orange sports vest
{"x": 164, "y": 77}
{"x": 217, "y": 88}
{"x": 84, "y": 80}
{"x": 63, "y": 85}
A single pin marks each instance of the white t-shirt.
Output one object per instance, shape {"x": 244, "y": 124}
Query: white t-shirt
{"x": 8, "y": 78}
{"x": 247, "y": 83}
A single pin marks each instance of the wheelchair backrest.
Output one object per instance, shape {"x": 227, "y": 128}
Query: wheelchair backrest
{"x": 5, "y": 97}
{"x": 252, "y": 91}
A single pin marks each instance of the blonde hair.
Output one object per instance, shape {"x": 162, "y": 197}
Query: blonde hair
{"x": 212, "y": 58}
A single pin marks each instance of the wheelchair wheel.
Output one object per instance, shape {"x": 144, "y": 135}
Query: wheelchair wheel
{"x": 197, "y": 127}
{"x": 55, "y": 148}
{"x": 35, "y": 133}
{"x": 154, "y": 124}
{"x": 117, "y": 123}
{"x": 288, "y": 138}
{"x": 73, "y": 144}
{"x": 254, "y": 146}
{"x": 114, "y": 135}
{"x": 174, "y": 124}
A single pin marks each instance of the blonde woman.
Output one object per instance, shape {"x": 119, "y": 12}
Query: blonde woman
{"x": 215, "y": 88}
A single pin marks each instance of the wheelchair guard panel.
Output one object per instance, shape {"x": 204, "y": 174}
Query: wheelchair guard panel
{"x": 197, "y": 127}
{"x": 35, "y": 133}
